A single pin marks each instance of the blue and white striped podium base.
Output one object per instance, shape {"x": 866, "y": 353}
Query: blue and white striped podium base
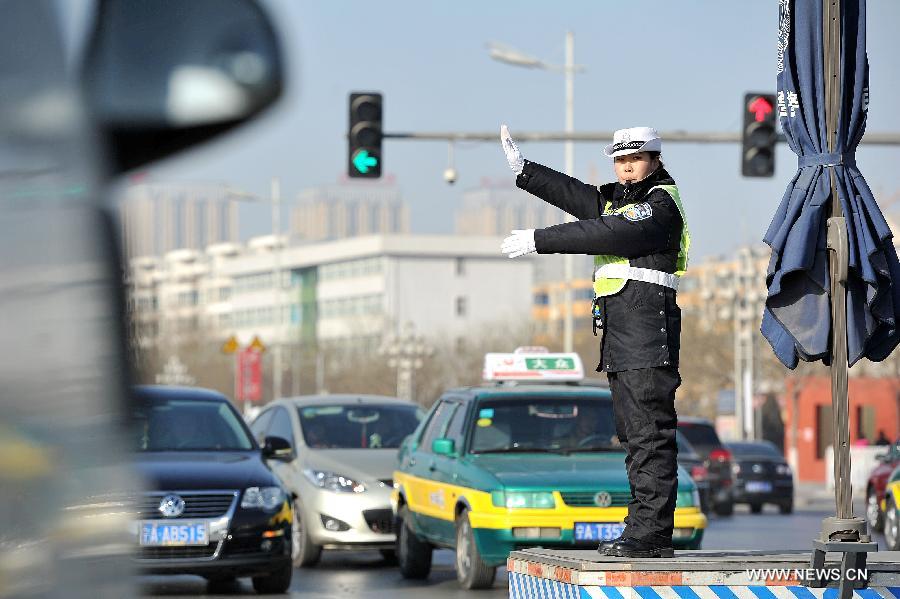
{"x": 553, "y": 574}
{"x": 522, "y": 586}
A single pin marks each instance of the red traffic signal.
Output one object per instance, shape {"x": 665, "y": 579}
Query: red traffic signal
{"x": 758, "y": 136}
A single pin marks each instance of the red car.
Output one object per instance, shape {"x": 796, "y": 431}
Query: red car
{"x": 875, "y": 486}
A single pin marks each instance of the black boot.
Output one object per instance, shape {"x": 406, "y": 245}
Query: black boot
{"x": 638, "y": 548}
{"x": 605, "y": 546}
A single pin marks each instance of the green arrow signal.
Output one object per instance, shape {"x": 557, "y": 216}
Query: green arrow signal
{"x": 362, "y": 161}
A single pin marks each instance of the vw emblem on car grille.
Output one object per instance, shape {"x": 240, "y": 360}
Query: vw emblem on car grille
{"x": 757, "y": 468}
{"x": 171, "y": 506}
{"x": 603, "y": 499}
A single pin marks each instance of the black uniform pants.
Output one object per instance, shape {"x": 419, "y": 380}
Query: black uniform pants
{"x": 644, "y": 406}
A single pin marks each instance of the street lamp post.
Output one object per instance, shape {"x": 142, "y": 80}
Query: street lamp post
{"x": 277, "y": 287}
{"x": 406, "y": 353}
{"x": 508, "y": 55}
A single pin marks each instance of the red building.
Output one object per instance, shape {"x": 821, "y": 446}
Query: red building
{"x": 874, "y": 407}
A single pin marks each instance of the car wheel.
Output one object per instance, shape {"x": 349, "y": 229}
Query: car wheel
{"x": 413, "y": 554}
{"x": 787, "y": 507}
{"x": 891, "y": 525}
{"x": 724, "y": 509}
{"x": 304, "y": 553}
{"x": 756, "y": 508}
{"x": 874, "y": 516}
{"x": 276, "y": 582}
{"x": 471, "y": 571}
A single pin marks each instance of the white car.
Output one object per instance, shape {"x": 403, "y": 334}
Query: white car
{"x": 346, "y": 452}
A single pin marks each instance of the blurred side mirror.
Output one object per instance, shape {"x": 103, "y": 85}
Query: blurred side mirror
{"x": 278, "y": 448}
{"x": 165, "y": 75}
{"x": 443, "y": 447}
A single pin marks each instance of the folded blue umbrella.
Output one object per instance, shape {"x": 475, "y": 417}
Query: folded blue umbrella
{"x": 797, "y": 319}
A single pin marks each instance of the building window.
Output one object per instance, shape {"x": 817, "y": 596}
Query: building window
{"x": 461, "y": 306}
{"x": 460, "y": 267}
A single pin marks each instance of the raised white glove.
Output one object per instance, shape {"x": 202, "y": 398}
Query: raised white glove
{"x": 513, "y": 155}
{"x": 521, "y": 242}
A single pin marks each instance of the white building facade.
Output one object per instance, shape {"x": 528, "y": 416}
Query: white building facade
{"x": 349, "y": 292}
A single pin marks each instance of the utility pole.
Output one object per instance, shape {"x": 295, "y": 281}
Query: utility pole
{"x": 514, "y": 57}
{"x": 569, "y": 259}
{"x": 277, "y": 287}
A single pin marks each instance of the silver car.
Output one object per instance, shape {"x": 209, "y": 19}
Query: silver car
{"x": 346, "y": 452}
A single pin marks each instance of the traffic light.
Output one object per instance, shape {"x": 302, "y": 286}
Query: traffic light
{"x": 364, "y": 135}
{"x": 758, "y": 139}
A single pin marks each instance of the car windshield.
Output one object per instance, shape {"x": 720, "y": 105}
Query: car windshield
{"x": 699, "y": 435}
{"x": 358, "y": 426}
{"x": 685, "y": 449}
{"x": 544, "y": 424}
{"x": 751, "y": 449}
{"x": 164, "y": 424}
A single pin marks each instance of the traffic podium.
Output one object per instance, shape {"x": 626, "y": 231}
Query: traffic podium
{"x": 704, "y": 574}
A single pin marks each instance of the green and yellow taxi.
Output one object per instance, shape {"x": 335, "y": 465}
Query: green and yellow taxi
{"x": 530, "y": 458}
{"x": 891, "y": 508}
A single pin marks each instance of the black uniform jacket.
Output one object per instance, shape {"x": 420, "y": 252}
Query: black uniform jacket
{"x": 642, "y": 323}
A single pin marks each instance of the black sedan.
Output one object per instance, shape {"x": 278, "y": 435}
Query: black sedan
{"x": 693, "y": 463}
{"x": 212, "y": 506}
{"x": 761, "y": 475}
{"x": 717, "y": 460}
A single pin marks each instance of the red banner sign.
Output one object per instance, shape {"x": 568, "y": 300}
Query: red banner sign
{"x": 249, "y": 375}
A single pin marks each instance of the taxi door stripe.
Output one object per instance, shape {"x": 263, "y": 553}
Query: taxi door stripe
{"x": 895, "y": 591}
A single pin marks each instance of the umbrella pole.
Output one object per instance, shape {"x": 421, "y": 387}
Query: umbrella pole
{"x": 842, "y": 533}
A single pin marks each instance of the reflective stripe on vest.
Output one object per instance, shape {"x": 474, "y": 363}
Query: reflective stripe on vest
{"x": 612, "y": 272}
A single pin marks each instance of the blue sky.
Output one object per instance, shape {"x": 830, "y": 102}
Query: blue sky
{"x": 667, "y": 64}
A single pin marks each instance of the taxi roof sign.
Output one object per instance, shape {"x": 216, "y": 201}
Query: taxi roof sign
{"x": 533, "y": 367}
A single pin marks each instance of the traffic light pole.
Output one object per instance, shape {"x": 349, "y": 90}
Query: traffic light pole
{"x": 676, "y": 136}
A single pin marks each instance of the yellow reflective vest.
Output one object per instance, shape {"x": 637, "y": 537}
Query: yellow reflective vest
{"x": 605, "y": 285}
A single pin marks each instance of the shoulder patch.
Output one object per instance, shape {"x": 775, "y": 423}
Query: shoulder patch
{"x": 638, "y": 212}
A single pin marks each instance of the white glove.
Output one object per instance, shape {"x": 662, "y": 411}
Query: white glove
{"x": 521, "y": 242}
{"x": 513, "y": 155}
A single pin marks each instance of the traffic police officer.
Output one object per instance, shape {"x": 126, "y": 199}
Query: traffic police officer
{"x": 637, "y": 231}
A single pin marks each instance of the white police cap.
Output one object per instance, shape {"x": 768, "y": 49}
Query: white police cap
{"x": 633, "y": 140}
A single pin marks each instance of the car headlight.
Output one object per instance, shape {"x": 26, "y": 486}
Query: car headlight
{"x": 516, "y": 499}
{"x": 334, "y": 482}
{"x": 783, "y": 469}
{"x": 687, "y": 498}
{"x": 263, "y": 498}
